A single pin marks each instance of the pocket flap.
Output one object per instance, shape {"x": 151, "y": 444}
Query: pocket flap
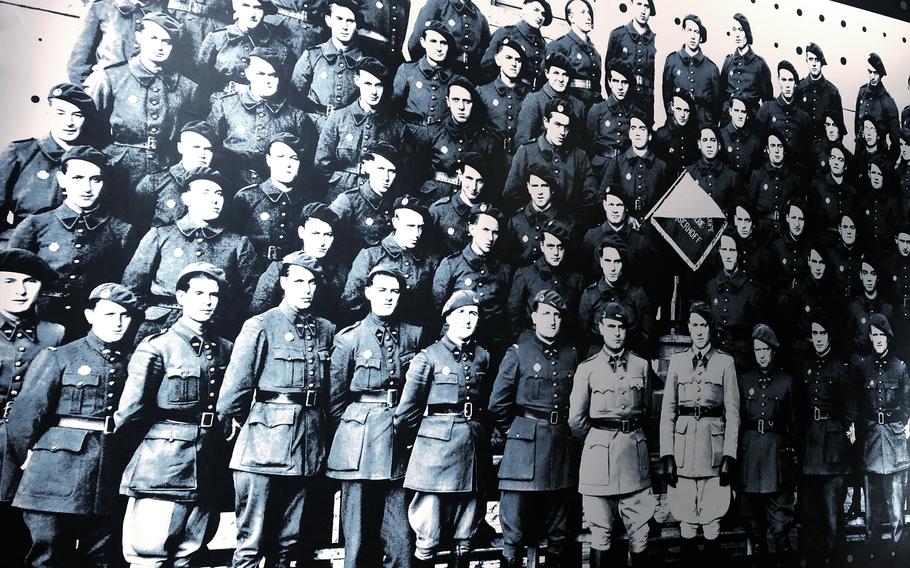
{"x": 165, "y": 431}
{"x": 67, "y": 439}
{"x": 180, "y": 372}
{"x": 685, "y": 378}
{"x": 289, "y": 353}
{"x": 77, "y": 379}
{"x": 682, "y": 426}
{"x": 371, "y": 363}
{"x": 272, "y": 414}
{"x": 445, "y": 378}
{"x": 716, "y": 428}
{"x": 438, "y": 428}
{"x": 522, "y": 429}
{"x": 356, "y": 413}
{"x": 897, "y": 427}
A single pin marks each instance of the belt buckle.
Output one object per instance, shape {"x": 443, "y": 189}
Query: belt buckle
{"x": 625, "y": 426}
{"x": 506, "y": 143}
{"x": 109, "y": 425}
{"x": 207, "y": 419}
{"x": 639, "y": 80}
{"x": 906, "y": 302}
{"x": 697, "y": 412}
{"x": 194, "y": 7}
{"x": 761, "y": 426}
{"x": 7, "y": 408}
{"x": 463, "y": 57}
{"x": 391, "y": 397}
{"x": 329, "y": 109}
{"x": 468, "y": 410}
{"x": 310, "y": 398}
{"x": 554, "y": 417}
{"x": 272, "y": 252}
{"x": 881, "y": 418}
{"x": 151, "y": 143}
{"x": 817, "y": 413}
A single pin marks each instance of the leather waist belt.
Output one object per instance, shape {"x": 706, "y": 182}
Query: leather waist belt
{"x": 445, "y": 178}
{"x": 388, "y": 397}
{"x": 201, "y": 419}
{"x": 819, "y": 414}
{"x": 468, "y": 410}
{"x": 701, "y": 411}
{"x": 196, "y": 8}
{"x": 763, "y": 426}
{"x": 551, "y": 416}
{"x": 886, "y": 416}
{"x": 306, "y": 398}
{"x": 643, "y": 81}
{"x": 354, "y": 170}
{"x": 374, "y": 35}
{"x": 301, "y": 16}
{"x": 320, "y": 109}
{"x": 151, "y": 144}
{"x": 105, "y": 425}
{"x": 624, "y": 425}
{"x": 580, "y": 83}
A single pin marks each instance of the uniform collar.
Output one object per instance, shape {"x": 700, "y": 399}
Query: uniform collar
{"x": 713, "y": 167}
{"x": 732, "y": 282}
{"x": 466, "y": 348}
{"x": 551, "y": 93}
{"x": 706, "y": 354}
{"x": 303, "y": 322}
{"x": 648, "y": 158}
{"x": 379, "y": 115}
{"x": 463, "y": 6}
{"x": 474, "y": 259}
{"x": 748, "y": 57}
{"x": 460, "y": 206}
{"x": 577, "y": 39}
{"x": 648, "y": 35}
{"x": 684, "y": 55}
{"x": 331, "y": 53}
{"x": 178, "y": 172}
{"x": 504, "y": 90}
{"x": 27, "y": 325}
{"x": 186, "y": 226}
{"x": 619, "y": 287}
{"x": 50, "y": 148}
{"x": 533, "y": 214}
{"x": 146, "y": 77}
{"x": 195, "y": 341}
{"x": 391, "y": 246}
{"x": 549, "y": 149}
{"x": 258, "y": 36}
{"x": 93, "y": 219}
{"x": 545, "y": 269}
{"x": 108, "y": 350}
{"x": 525, "y": 29}
{"x": 440, "y": 71}
{"x": 621, "y": 360}
{"x": 275, "y": 195}
{"x": 738, "y": 134}
{"x": 372, "y": 198}
{"x": 247, "y": 100}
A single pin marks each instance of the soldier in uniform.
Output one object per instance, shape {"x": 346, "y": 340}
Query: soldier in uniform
{"x": 535, "y": 14}
{"x": 523, "y": 230}
{"x": 871, "y": 299}
{"x": 558, "y": 71}
{"x": 405, "y": 250}
{"x": 382, "y": 31}
{"x": 578, "y": 48}
{"x": 772, "y": 185}
{"x": 24, "y": 335}
{"x": 274, "y": 400}
{"x": 712, "y": 173}
{"x": 626, "y": 230}
{"x": 67, "y": 403}
{"x": 536, "y": 474}
{"x": 846, "y": 256}
{"x": 468, "y": 27}
{"x": 744, "y": 72}
{"x": 816, "y": 293}
{"x": 199, "y": 236}
{"x": 788, "y": 253}
{"x": 445, "y": 400}
{"x": 369, "y": 362}
{"x": 145, "y": 100}
{"x": 302, "y": 21}
{"x": 199, "y": 19}
{"x": 324, "y": 75}
{"x": 503, "y": 96}
{"x": 884, "y": 420}
{"x": 832, "y": 194}
{"x": 877, "y": 208}
{"x": 699, "y": 434}
{"x": 450, "y": 214}
{"x": 741, "y": 143}
{"x": 108, "y": 35}
{"x": 157, "y": 197}
{"x": 676, "y": 142}
{"x": 27, "y": 166}
{"x": 609, "y": 404}
{"x": 766, "y": 459}
{"x": 818, "y": 96}
{"x": 79, "y": 239}
{"x": 634, "y": 44}
{"x": 177, "y": 477}
{"x": 265, "y": 212}
{"x": 608, "y": 121}
{"x": 897, "y": 276}
{"x": 419, "y": 86}
{"x": 350, "y": 131}
{"x": 875, "y": 100}
{"x": 690, "y": 70}
{"x": 641, "y": 176}
{"x": 784, "y": 115}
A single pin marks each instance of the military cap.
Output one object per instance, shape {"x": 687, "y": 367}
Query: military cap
{"x": 749, "y": 102}
{"x": 24, "y": 261}
{"x": 86, "y": 154}
{"x": 547, "y": 11}
{"x": 639, "y": 114}
{"x": 766, "y": 335}
{"x": 320, "y": 211}
{"x": 374, "y": 67}
{"x": 268, "y": 8}
{"x": 510, "y": 41}
{"x": 299, "y": 258}
{"x": 476, "y": 161}
{"x": 550, "y": 298}
{"x": 685, "y": 96}
{"x": 585, "y": 2}
{"x": 901, "y": 226}
{"x": 202, "y": 128}
{"x": 702, "y": 30}
{"x": 876, "y": 62}
{"x": 874, "y": 120}
{"x": 843, "y": 150}
{"x": 557, "y": 59}
{"x": 560, "y": 105}
{"x": 747, "y": 27}
{"x": 558, "y": 229}
{"x": 484, "y": 209}
{"x": 387, "y": 271}
{"x": 815, "y": 50}
{"x": 786, "y": 65}
{"x": 167, "y": 22}
{"x": 616, "y": 191}
{"x": 464, "y": 83}
{"x": 621, "y": 67}
{"x": 798, "y": 201}
{"x": 778, "y": 132}
{"x": 881, "y": 323}
{"x": 822, "y": 318}
{"x": 614, "y": 311}
{"x": 201, "y": 268}
{"x": 653, "y": 7}
{"x": 612, "y": 241}
{"x": 384, "y": 149}
{"x": 543, "y": 172}
{"x": 411, "y": 203}
{"x": 460, "y": 299}
{"x": 703, "y": 310}
{"x": 289, "y": 140}
{"x": 441, "y": 29}
{"x": 744, "y": 202}
{"x": 274, "y": 57}
{"x": 74, "y": 95}
{"x": 116, "y": 293}
{"x": 203, "y": 172}
{"x": 905, "y": 134}
{"x": 882, "y": 162}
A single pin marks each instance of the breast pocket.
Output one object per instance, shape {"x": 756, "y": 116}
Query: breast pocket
{"x": 294, "y": 361}
{"x": 80, "y": 393}
{"x": 182, "y": 385}
{"x": 444, "y": 389}
{"x": 603, "y": 399}
{"x": 532, "y": 389}
{"x": 367, "y": 373}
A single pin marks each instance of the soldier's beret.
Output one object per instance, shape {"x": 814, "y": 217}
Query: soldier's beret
{"x": 320, "y": 211}
{"x": 476, "y": 161}
{"x": 822, "y": 318}
{"x": 374, "y": 67}
{"x": 876, "y": 62}
{"x": 557, "y": 59}
{"x": 547, "y": 11}
{"x": 684, "y": 96}
{"x": 702, "y": 310}
{"x": 585, "y": 2}
{"x": 203, "y": 172}
{"x": 349, "y": 4}
{"x": 621, "y": 67}
{"x": 766, "y": 335}
{"x": 167, "y": 22}
{"x": 905, "y": 134}
{"x": 268, "y": 8}
{"x": 411, "y": 203}
{"x": 901, "y": 226}
{"x": 541, "y": 171}
{"x": 799, "y": 202}
{"x": 747, "y": 27}
{"x": 873, "y": 120}
{"x": 821, "y": 251}
{"x": 509, "y": 40}
{"x": 384, "y": 149}
{"x": 460, "y": 299}
{"x": 86, "y": 154}
{"x": 560, "y": 105}
{"x": 839, "y": 147}
{"x": 298, "y": 258}
{"x": 204, "y": 269}
{"x": 749, "y": 102}
{"x": 275, "y": 57}
{"x": 702, "y": 30}
{"x": 550, "y": 298}
{"x": 202, "y": 128}
{"x": 612, "y": 241}
{"x": 787, "y": 66}
{"x": 484, "y": 209}
{"x": 558, "y": 229}
{"x": 653, "y": 7}
{"x": 881, "y": 323}
{"x": 465, "y": 84}
{"x": 441, "y": 29}
{"x": 387, "y": 271}
{"x": 614, "y": 311}
{"x": 881, "y": 162}
{"x": 778, "y": 133}
{"x": 289, "y": 140}
{"x": 815, "y": 50}
{"x": 616, "y": 191}
{"x": 73, "y": 94}
{"x": 116, "y": 293}
{"x": 23, "y": 261}
{"x": 638, "y": 114}
{"x": 744, "y": 202}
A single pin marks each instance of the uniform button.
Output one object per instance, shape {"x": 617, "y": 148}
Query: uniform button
{"x": 211, "y": 406}
{"x": 20, "y": 348}
{"x": 112, "y": 383}
{"x": 110, "y": 408}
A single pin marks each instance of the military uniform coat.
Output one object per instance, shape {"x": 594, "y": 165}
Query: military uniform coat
{"x": 631, "y": 295}
{"x": 791, "y": 120}
{"x": 638, "y": 51}
{"x": 718, "y": 181}
{"x": 485, "y": 275}
{"x": 156, "y": 201}
{"x": 568, "y": 164}
{"x": 820, "y": 98}
{"x": 268, "y": 215}
{"x": 450, "y": 224}
{"x": 643, "y": 179}
{"x": 365, "y": 216}
{"x": 747, "y": 76}
{"x": 608, "y": 129}
{"x": 767, "y": 415}
{"x": 538, "y": 276}
{"x": 587, "y": 66}
{"x": 877, "y": 102}
{"x": 503, "y": 103}
{"x": 769, "y": 190}
{"x": 532, "y": 43}
{"x": 677, "y": 146}
{"x": 884, "y": 408}
{"x": 302, "y": 22}
{"x": 225, "y": 53}
{"x": 736, "y": 305}
{"x": 324, "y": 79}
{"x": 28, "y": 171}
{"x": 419, "y": 91}
{"x": 743, "y": 149}
{"x": 268, "y": 290}
{"x": 697, "y": 75}
{"x": 826, "y": 406}
{"x": 522, "y": 236}
{"x": 531, "y": 115}
{"x": 467, "y": 24}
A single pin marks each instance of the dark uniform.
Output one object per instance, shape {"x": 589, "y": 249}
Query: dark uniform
{"x": 586, "y": 63}
{"x": 328, "y": 295}
{"x": 736, "y": 306}
{"x": 746, "y": 76}
{"x": 819, "y": 98}
{"x": 638, "y": 52}
{"x": 697, "y": 75}
{"x": 302, "y": 21}
{"x": 718, "y": 181}
{"x": 225, "y": 53}
{"x": 830, "y": 201}
{"x": 466, "y": 23}
{"x": 365, "y": 214}
{"x": 567, "y": 164}
{"x": 382, "y": 29}
{"x": 677, "y": 145}
{"x": 522, "y": 238}
{"x": 789, "y": 120}
{"x": 157, "y": 202}
{"x": 642, "y": 180}
{"x": 442, "y": 146}
{"x": 419, "y": 91}
{"x": 540, "y": 275}
{"x": 533, "y": 46}
{"x": 743, "y": 148}
{"x": 531, "y": 115}
{"x": 636, "y": 302}
{"x": 770, "y": 188}
{"x": 29, "y": 183}
{"x": 789, "y": 255}
{"x": 199, "y": 19}
{"x": 845, "y": 265}
{"x": 486, "y": 276}
{"x": 450, "y": 223}
{"x": 859, "y": 313}
{"x": 503, "y": 104}
{"x": 324, "y": 79}
{"x": 268, "y": 217}
{"x": 877, "y": 102}
{"x": 608, "y": 130}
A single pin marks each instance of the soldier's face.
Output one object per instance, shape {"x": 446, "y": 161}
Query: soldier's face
{"x": 638, "y": 134}
{"x": 371, "y": 88}
{"x": 832, "y": 132}
{"x": 299, "y": 287}
{"x": 154, "y": 42}
{"x": 879, "y": 340}
{"x": 509, "y": 62}
{"x": 743, "y": 223}
{"x": 317, "y": 237}
{"x": 796, "y": 221}
{"x": 435, "y": 46}
{"x": 383, "y": 295}
{"x": 738, "y": 113}
{"x": 693, "y": 35}
{"x": 82, "y": 183}
{"x": 707, "y": 143}
{"x": 816, "y": 265}
{"x": 484, "y": 233}
{"x": 283, "y": 163}
{"x": 699, "y": 331}
{"x": 815, "y": 65}
{"x": 681, "y": 111}
{"x": 557, "y": 78}
{"x": 738, "y": 35}
{"x": 613, "y": 333}
{"x": 17, "y": 292}
{"x": 836, "y": 162}
{"x": 109, "y": 320}
{"x": 611, "y": 264}
{"x": 248, "y": 13}
{"x": 195, "y": 150}
{"x": 870, "y": 133}
{"x": 615, "y": 210}
{"x": 903, "y": 243}
{"x": 787, "y": 83}
{"x": 553, "y": 250}
{"x": 540, "y": 191}
{"x": 66, "y": 120}
{"x": 263, "y": 78}
{"x": 381, "y": 172}
{"x": 820, "y": 339}
{"x": 547, "y": 321}
{"x": 764, "y": 355}
{"x": 775, "y": 150}
{"x": 556, "y": 128}
{"x": 204, "y": 200}
{"x": 619, "y": 85}
{"x": 868, "y": 277}
{"x": 460, "y": 104}
{"x": 533, "y": 13}
{"x": 874, "y": 77}
{"x": 342, "y": 23}
{"x": 728, "y": 253}
{"x": 580, "y": 17}
{"x": 200, "y": 300}
{"x": 876, "y": 179}
{"x": 641, "y": 11}
{"x": 408, "y": 227}
{"x": 471, "y": 184}
{"x": 463, "y": 322}
{"x": 905, "y": 150}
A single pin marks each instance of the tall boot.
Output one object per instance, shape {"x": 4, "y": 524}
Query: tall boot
{"x": 713, "y": 552}
{"x": 509, "y": 562}
{"x": 598, "y": 558}
{"x": 759, "y": 558}
{"x": 640, "y": 559}
{"x": 688, "y": 551}
{"x": 554, "y": 559}
{"x": 619, "y": 553}
{"x": 462, "y": 560}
